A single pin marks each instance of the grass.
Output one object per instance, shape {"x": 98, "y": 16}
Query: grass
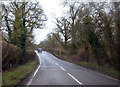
{"x": 110, "y": 71}
{"x": 15, "y": 75}
{"x": 58, "y": 56}
{"x": 103, "y": 69}
{"x": 0, "y": 78}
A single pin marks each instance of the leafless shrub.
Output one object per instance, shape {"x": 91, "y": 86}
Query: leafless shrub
{"x": 11, "y": 56}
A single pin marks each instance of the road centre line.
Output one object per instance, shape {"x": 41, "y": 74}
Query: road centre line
{"x": 74, "y": 79}
{"x": 62, "y": 68}
{"x": 70, "y": 75}
{"x": 56, "y": 63}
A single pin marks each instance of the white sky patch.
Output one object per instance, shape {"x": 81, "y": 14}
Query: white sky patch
{"x": 40, "y": 35}
{"x": 52, "y": 9}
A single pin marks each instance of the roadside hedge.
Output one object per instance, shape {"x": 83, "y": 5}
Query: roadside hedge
{"x": 12, "y": 56}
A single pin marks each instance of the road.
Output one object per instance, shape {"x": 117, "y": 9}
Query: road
{"x": 54, "y": 71}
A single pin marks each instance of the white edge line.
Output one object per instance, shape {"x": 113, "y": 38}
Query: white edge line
{"x": 74, "y": 78}
{"x": 35, "y": 71}
{"x": 107, "y": 76}
{"x": 62, "y": 68}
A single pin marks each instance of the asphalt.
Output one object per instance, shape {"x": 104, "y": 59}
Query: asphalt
{"x": 54, "y": 71}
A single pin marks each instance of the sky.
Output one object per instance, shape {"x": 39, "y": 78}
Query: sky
{"x": 52, "y": 9}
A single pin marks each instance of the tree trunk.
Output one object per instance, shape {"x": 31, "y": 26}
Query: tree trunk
{"x": 117, "y": 26}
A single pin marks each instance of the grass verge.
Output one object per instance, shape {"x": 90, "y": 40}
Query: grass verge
{"x": 13, "y": 76}
{"x": 0, "y": 78}
{"x": 106, "y": 70}
{"x": 53, "y": 54}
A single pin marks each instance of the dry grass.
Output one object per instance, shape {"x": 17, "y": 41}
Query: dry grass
{"x": 79, "y": 60}
{"x": 107, "y": 70}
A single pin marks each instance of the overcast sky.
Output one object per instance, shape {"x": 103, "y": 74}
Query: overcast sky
{"x": 52, "y": 8}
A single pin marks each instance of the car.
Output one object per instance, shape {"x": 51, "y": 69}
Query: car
{"x": 39, "y": 50}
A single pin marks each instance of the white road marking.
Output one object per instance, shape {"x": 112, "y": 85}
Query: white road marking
{"x": 56, "y": 63}
{"x": 74, "y": 78}
{"x": 62, "y": 68}
{"x": 33, "y": 76}
{"x": 29, "y": 83}
{"x": 107, "y": 76}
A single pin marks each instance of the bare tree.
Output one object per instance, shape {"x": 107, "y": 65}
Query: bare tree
{"x": 63, "y": 28}
{"x": 117, "y": 27}
{"x": 16, "y": 14}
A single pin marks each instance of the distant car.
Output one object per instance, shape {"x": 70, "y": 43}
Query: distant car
{"x": 39, "y": 50}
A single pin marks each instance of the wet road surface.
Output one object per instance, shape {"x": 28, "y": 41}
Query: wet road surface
{"x": 54, "y": 71}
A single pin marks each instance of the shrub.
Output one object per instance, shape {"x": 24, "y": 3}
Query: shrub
{"x": 12, "y": 56}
